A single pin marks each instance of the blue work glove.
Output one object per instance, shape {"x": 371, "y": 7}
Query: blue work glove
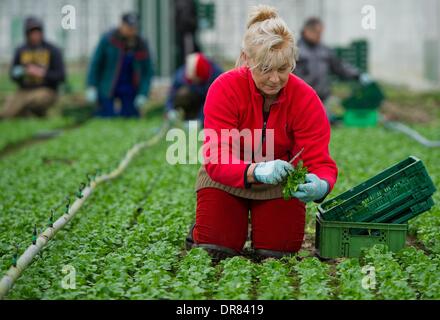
{"x": 365, "y": 79}
{"x": 172, "y": 115}
{"x": 91, "y": 95}
{"x": 140, "y": 101}
{"x": 313, "y": 190}
{"x": 17, "y": 72}
{"x": 273, "y": 172}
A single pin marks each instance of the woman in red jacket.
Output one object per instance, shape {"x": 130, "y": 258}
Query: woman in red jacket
{"x": 261, "y": 96}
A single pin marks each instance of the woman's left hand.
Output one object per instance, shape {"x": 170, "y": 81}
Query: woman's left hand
{"x": 313, "y": 190}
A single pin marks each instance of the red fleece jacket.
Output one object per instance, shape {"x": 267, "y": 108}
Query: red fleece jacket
{"x": 298, "y": 119}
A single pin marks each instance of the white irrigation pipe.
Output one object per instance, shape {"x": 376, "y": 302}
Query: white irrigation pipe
{"x": 26, "y": 258}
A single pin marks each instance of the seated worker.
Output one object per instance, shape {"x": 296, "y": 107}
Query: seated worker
{"x": 38, "y": 69}
{"x": 121, "y": 68}
{"x": 190, "y": 86}
{"x": 317, "y": 61}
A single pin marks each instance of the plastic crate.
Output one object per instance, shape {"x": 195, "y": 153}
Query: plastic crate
{"x": 414, "y": 211}
{"x": 356, "y": 54}
{"x": 396, "y": 195}
{"x": 369, "y": 96}
{"x": 361, "y": 118}
{"x": 407, "y": 210}
{"x": 348, "y": 239}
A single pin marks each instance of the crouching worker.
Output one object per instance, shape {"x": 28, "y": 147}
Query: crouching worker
{"x": 121, "y": 69}
{"x": 190, "y": 87}
{"x": 262, "y": 97}
{"x": 38, "y": 69}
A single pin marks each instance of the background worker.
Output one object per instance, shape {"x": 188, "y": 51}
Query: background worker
{"x": 317, "y": 62}
{"x": 38, "y": 69}
{"x": 121, "y": 68}
{"x": 261, "y": 96}
{"x": 190, "y": 86}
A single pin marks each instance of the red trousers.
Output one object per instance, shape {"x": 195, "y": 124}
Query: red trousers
{"x": 222, "y": 219}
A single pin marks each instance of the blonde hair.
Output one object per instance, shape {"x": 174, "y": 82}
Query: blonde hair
{"x": 268, "y": 40}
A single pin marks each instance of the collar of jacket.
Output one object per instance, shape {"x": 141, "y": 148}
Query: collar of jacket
{"x": 308, "y": 43}
{"x": 43, "y": 44}
{"x": 282, "y": 96}
{"x": 121, "y": 43}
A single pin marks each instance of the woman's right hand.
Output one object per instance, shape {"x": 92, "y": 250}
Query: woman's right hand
{"x": 273, "y": 172}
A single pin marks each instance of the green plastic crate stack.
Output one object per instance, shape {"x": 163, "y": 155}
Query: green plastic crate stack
{"x": 396, "y": 195}
{"x": 375, "y": 212}
{"x": 206, "y": 14}
{"x": 361, "y": 54}
{"x": 363, "y": 104}
{"x": 356, "y": 54}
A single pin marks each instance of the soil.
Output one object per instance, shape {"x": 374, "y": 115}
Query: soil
{"x": 407, "y": 114}
{"x": 51, "y": 161}
{"x": 36, "y": 139}
{"x": 412, "y": 241}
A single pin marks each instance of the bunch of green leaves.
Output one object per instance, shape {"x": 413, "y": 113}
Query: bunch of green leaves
{"x": 293, "y": 180}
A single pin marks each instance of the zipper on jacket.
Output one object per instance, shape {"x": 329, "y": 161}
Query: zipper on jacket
{"x": 265, "y": 121}
{"x": 263, "y": 136}
{"x": 264, "y": 131}
{"x": 118, "y": 71}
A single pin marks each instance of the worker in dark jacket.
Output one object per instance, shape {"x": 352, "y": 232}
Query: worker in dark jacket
{"x": 190, "y": 86}
{"x": 38, "y": 69}
{"x": 121, "y": 68}
{"x": 317, "y": 61}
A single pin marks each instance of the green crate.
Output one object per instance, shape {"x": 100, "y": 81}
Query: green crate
{"x": 397, "y": 195}
{"x": 348, "y": 239}
{"x": 361, "y": 118}
{"x": 413, "y": 211}
{"x": 206, "y": 14}
{"x": 356, "y": 54}
{"x": 364, "y": 96}
{"x": 407, "y": 210}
